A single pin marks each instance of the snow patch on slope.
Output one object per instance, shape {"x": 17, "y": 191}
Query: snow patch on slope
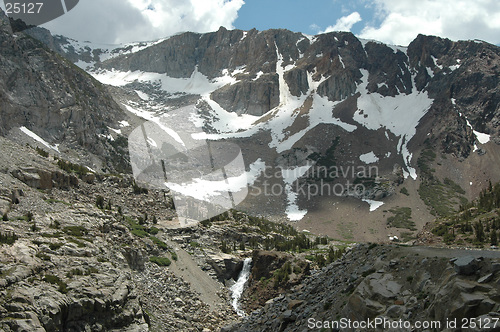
{"x": 142, "y": 95}
{"x": 482, "y": 138}
{"x": 150, "y": 116}
{"x": 400, "y": 115}
{"x": 369, "y": 158}
{"x": 289, "y": 177}
{"x": 197, "y": 84}
{"x": 38, "y": 138}
{"x": 373, "y": 204}
{"x": 206, "y": 190}
{"x": 229, "y": 121}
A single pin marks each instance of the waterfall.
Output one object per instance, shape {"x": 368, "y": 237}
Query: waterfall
{"x": 237, "y": 288}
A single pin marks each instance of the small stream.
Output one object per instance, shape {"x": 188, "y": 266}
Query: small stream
{"x": 237, "y": 288}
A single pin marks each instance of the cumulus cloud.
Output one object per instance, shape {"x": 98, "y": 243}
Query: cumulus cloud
{"x": 119, "y": 21}
{"x": 403, "y": 20}
{"x": 344, "y": 23}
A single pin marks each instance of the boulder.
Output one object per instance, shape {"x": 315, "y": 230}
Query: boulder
{"x": 466, "y": 265}
{"x": 135, "y": 258}
{"x": 5, "y": 204}
{"x": 16, "y": 195}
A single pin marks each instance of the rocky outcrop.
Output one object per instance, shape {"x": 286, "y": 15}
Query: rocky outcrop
{"x": 68, "y": 265}
{"x": 225, "y": 268}
{"x": 266, "y": 262}
{"x": 466, "y": 265}
{"x": 387, "y": 282}
{"x": 45, "y": 179}
{"x": 136, "y": 258}
{"x": 389, "y": 72}
{"x": 250, "y": 97}
{"x": 56, "y": 286}
{"x": 55, "y": 99}
{"x": 43, "y": 308}
{"x": 466, "y": 71}
{"x": 9, "y": 197}
{"x": 4, "y": 205}
{"x": 272, "y": 274}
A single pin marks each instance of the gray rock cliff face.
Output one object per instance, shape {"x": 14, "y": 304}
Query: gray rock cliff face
{"x": 51, "y": 97}
{"x": 301, "y": 85}
{"x": 465, "y": 71}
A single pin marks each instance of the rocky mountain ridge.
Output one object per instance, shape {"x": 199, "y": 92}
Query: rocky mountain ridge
{"x": 337, "y": 56}
{"x": 50, "y": 97}
{"x": 332, "y": 101}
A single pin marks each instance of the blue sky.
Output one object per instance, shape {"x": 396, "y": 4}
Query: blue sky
{"x": 390, "y": 21}
{"x": 308, "y": 17}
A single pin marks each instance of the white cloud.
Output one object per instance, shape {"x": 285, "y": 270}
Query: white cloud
{"x": 315, "y": 27}
{"x": 403, "y": 20}
{"x": 344, "y": 23}
{"x": 119, "y": 21}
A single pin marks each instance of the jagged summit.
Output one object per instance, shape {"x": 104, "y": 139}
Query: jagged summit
{"x": 289, "y": 90}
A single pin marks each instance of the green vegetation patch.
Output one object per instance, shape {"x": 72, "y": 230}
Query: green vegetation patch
{"x": 476, "y": 223}
{"x": 55, "y": 280}
{"x": 325, "y": 163}
{"x": 42, "y": 152}
{"x": 138, "y": 189}
{"x": 441, "y": 197}
{"x": 401, "y": 218}
{"x": 8, "y": 238}
{"x": 158, "y": 242}
{"x": 74, "y": 272}
{"x": 78, "y": 243}
{"x": 43, "y": 256}
{"x": 194, "y": 244}
{"x": 345, "y": 230}
{"x": 135, "y": 228}
{"x": 282, "y": 275}
{"x": 54, "y": 201}
{"x": 407, "y": 236}
{"x": 55, "y": 246}
{"x": 75, "y": 230}
{"x": 72, "y": 168}
{"x": 161, "y": 261}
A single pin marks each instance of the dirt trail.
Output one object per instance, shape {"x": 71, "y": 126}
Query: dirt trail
{"x": 450, "y": 253}
{"x": 187, "y": 269}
